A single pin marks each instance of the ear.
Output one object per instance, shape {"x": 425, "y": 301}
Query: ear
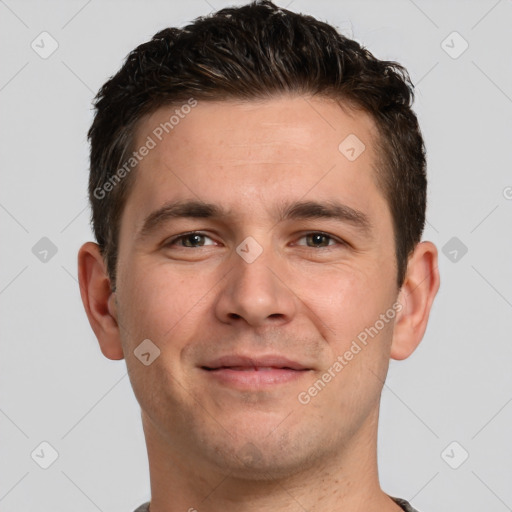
{"x": 416, "y": 297}
{"x": 99, "y": 300}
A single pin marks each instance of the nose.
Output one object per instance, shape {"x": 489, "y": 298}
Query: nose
{"x": 257, "y": 293}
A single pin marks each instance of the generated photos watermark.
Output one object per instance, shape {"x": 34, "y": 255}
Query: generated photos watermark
{"x": 304, "y": 397}
{"x": 151, "y": 142}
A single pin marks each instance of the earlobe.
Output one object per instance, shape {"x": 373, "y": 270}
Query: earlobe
{"x": 416, "y": 297}
{"x": 99, "y": 300}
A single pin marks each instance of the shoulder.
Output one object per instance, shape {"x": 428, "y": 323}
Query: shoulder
{"x": 402, "y": 503}
{"x": 143, "y": 508}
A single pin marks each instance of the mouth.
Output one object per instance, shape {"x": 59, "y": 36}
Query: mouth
{"x": 247, "y": 372}
{"x": 251, "y": 368}
{"x": 254, "y": 363}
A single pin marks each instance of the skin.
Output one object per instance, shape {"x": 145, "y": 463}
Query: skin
{"x": 217, "y": 447}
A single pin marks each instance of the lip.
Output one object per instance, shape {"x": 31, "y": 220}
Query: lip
{"x": 247, "y": 373}
{"x": 268, "y": 361}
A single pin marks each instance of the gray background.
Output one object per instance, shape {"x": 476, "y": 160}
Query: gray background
{"x": 57, "y": 387}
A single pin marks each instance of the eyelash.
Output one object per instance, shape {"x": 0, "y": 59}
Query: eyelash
{"x": 309, "y": 233}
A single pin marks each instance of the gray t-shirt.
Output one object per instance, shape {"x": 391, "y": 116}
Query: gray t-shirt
{"x": 399, "y": 501}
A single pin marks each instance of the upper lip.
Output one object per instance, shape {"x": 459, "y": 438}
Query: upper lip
{"x": 274, "y": 361}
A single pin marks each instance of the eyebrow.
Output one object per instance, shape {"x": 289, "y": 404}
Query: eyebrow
{"x": 299, "y": 210}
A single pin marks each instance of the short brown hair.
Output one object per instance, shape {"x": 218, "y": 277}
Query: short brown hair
{"x": 257, "y": 51}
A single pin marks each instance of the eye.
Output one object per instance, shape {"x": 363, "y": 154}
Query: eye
{"x": 195, "y": 239}
{"x": 319, "y": 239}
{"x": 190, "y": 240}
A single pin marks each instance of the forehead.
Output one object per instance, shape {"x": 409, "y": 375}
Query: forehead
{"x": 236, "y": 131}
{"x": 248, "y": 154}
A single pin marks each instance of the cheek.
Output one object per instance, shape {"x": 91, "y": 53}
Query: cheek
{"x": 341, "y": 296}
{"x": 348, "y": 305}
{"x": 153, "y": 301}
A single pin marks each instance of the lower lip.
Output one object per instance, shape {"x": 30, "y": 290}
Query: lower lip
{"x": 255, "y": 378}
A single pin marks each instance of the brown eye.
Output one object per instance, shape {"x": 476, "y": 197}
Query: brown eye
{"x": 319, "y": 240}
{"x": 189, "y": 240}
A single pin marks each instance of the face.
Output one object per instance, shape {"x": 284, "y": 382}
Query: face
{"x": 253, "y": 253}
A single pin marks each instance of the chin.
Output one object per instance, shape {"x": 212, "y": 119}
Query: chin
{"x": 262, "y": 458}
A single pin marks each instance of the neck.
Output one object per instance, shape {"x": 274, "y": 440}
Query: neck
{"x": 345, "y": 480}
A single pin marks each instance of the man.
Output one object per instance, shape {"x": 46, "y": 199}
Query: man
{"x": 258, "y": 197}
